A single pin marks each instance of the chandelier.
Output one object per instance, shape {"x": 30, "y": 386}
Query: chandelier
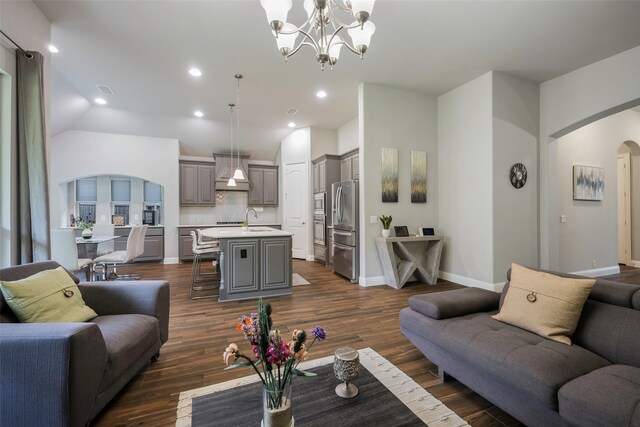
{"x": 321, "y": 29}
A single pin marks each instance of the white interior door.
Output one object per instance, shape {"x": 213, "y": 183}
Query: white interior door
{"x": 295, "y": 206}
{"x": 624, "y": 209}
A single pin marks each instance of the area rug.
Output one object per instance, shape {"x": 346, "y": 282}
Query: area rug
{"x": 298, "y": 280}
{"x": 388, "y": 397}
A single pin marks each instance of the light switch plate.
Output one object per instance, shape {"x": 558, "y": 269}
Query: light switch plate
{"x": 563, "y": 218}
{"x": 373, "y": 219}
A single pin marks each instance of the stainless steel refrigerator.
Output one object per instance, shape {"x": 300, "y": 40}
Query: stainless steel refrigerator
{"x": 346, "y": 259}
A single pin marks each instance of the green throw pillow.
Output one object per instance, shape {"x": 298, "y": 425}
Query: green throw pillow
{"x": 47, "y": 296}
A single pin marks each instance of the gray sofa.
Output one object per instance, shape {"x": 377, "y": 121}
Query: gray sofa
{"x": 594, "y": 382}
{"x": 63, "y": 374}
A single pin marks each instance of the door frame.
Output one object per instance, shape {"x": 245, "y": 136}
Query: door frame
{"x": 625, "y": 193}
{"x": 308, "y": 206}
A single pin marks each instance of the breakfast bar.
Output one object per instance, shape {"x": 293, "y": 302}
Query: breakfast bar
{"x": 254, "y": 262}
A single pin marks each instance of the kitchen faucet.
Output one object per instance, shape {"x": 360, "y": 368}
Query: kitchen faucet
{"x": 246, "y": 215}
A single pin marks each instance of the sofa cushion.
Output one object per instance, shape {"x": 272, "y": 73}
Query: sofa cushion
{"x": 127, "y": 337}
{"x": 510, "y": 355}
{"x": 605, "y": 397}
{"x": 636, "y": 300}
{"x": 443, "y": 305}
{"x": 47, "y": 296}
{"x": 544, "y": 303}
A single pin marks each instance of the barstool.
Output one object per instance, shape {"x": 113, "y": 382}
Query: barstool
{"x": 200, "y": 250}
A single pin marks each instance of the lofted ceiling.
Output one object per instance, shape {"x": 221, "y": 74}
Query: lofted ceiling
{"x": 143, "y": 49}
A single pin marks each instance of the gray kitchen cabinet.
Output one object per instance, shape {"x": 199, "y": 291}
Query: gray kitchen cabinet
{"x": 316, "y": 178}
{"x": 345, "y": 169}
{"x": 350, "y": 166}
{"x": 242, "y": 261}
{"x": 355, "y": 167}
{"x": 153, "y": 243}
{"x": 326, "y": 171}
{"x": 264, "y": 185}
{"x": 197, "y": 184}
{"x": 185, "y": 244}
{"x": 275, "y": 255}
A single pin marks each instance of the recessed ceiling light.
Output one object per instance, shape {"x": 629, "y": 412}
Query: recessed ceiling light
{"x": 291, "y": 125}
{"x": 100, "y": 101}
{"x": 198, "y": 113}
{"x": 53, "y": 49}
{"x": 321, "y": 94}
{"x": 195, "y": 72}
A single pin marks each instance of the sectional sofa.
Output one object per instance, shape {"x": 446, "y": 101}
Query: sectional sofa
{"x": 593, "y": 382}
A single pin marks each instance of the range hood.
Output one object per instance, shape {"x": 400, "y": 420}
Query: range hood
{"x": 225, "y": 168}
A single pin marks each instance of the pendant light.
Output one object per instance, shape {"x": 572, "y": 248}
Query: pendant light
{"x": 238, "y": 173}
{"x": 232, "y": 181}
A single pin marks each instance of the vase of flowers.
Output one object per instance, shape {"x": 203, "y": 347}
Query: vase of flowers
{"x": 386, "y": 223}
{"x": 275, "y": 360}
{"x": 87, "y": 231}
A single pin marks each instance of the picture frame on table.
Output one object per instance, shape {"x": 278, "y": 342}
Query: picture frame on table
{"x": 401, "y": 231}
{"x": 426, "y": 231}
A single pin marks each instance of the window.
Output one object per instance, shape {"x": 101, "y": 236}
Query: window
{"x": 121, "y": 197}
{"x": 86, "y": 196}
{"x": 153, "y": 199}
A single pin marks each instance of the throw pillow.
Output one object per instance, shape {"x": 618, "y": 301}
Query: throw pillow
{"x": 47, "y": 296}
{"x": 543, "y": 303}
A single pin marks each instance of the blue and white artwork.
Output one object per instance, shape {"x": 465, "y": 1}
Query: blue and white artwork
{"x": 588, "y": 183}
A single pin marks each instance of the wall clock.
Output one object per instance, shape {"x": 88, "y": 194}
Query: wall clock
{"x": 518, "y": 175}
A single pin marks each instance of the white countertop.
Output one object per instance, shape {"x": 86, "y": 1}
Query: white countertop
{"x": 236, "y": 232}
{"x": 266, "y": 224}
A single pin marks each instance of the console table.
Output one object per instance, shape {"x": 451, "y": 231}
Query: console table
{"x": 403, "y": 256}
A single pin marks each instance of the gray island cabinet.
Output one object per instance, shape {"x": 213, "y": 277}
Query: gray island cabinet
{"x": 253, "y": 263}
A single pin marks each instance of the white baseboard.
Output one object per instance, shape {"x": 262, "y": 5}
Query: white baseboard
{"x": 473, "y": 283}
{"x": 634, "y": 263}
{"x": 171, "y": 261}
{"x": 310, "y": 258}
{"x": 597, "y": 272}
{"x": 371, "y": 281}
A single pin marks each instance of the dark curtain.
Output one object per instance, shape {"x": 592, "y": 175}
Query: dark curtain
{"x": 32, "y": 184}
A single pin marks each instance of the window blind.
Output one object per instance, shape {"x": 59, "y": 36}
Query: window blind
{"x": 120, "y": 190}
{"x": 86, "y": 190}
{"x": 152, "y": 192}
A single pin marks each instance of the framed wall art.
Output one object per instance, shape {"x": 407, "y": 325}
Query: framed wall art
{"x": 418, "y": 176}
{"x": 389, "y": 173}
{"x": 588, "y": 183}
{"x": 117, "y": 219}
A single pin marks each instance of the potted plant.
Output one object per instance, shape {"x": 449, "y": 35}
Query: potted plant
{"x": 386, "y": 223}
{"x": 86, "y": 226}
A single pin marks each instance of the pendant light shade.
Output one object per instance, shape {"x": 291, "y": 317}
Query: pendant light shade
{"x": 238, "y": 174}
{"x": 277, "y": 11}
{"x": 361, "y": 35}
{"x": 231, "y": 183}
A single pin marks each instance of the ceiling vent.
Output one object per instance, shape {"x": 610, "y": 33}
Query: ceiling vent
{"x": 292, "y": 111}
{"x": 105, "y": 90}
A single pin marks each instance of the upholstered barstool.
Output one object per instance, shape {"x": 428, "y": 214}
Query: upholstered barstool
{"x": 200, "y": 250}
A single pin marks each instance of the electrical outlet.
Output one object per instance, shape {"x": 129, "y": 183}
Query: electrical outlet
{"x": 373, "y": 219}
{"x": 103, "y": 217}
{"x": 563, "y": 218}
{"x": 136, "y": 217}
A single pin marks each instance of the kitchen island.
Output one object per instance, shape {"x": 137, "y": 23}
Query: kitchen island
{"x": 253, "y": 263}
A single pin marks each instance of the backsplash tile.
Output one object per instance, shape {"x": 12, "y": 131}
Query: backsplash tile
{"x": 230, "y": 206}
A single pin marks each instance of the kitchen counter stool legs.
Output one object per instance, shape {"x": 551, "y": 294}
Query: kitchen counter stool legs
{"x": 200, "y": 251}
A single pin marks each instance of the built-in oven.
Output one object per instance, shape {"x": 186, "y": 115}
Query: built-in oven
{"x": 319, "y": 230}
{"x": 319, "y": 204}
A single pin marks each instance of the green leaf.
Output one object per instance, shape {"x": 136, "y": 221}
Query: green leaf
{"x": 302, "y": 373}
{"x": 238, "y": 364}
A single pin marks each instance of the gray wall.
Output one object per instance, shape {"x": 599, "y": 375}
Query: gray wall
{"x": 406, "y": 121}
{"x": 591, "y": 230}
{"x": 516, "y": 111}
{"x": 465, "y": 177}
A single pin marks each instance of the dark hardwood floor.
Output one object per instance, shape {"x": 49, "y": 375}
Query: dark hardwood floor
{"x": 199, "y": 331}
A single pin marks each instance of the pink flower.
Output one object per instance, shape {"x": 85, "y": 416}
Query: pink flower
{"x": 278, "y": 351}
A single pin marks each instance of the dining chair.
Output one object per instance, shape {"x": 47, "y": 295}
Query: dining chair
{"x": 199, "y": 251}
{"x": 116, "y": 258}
{"x": 64, "y": 250}
{"x": 104, "y": 230}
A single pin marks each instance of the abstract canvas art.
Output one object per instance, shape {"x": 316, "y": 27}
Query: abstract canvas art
{"x": 389, "y": 172}
{"x": 588, "y": 183}
{"x": 418, "y": 177}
